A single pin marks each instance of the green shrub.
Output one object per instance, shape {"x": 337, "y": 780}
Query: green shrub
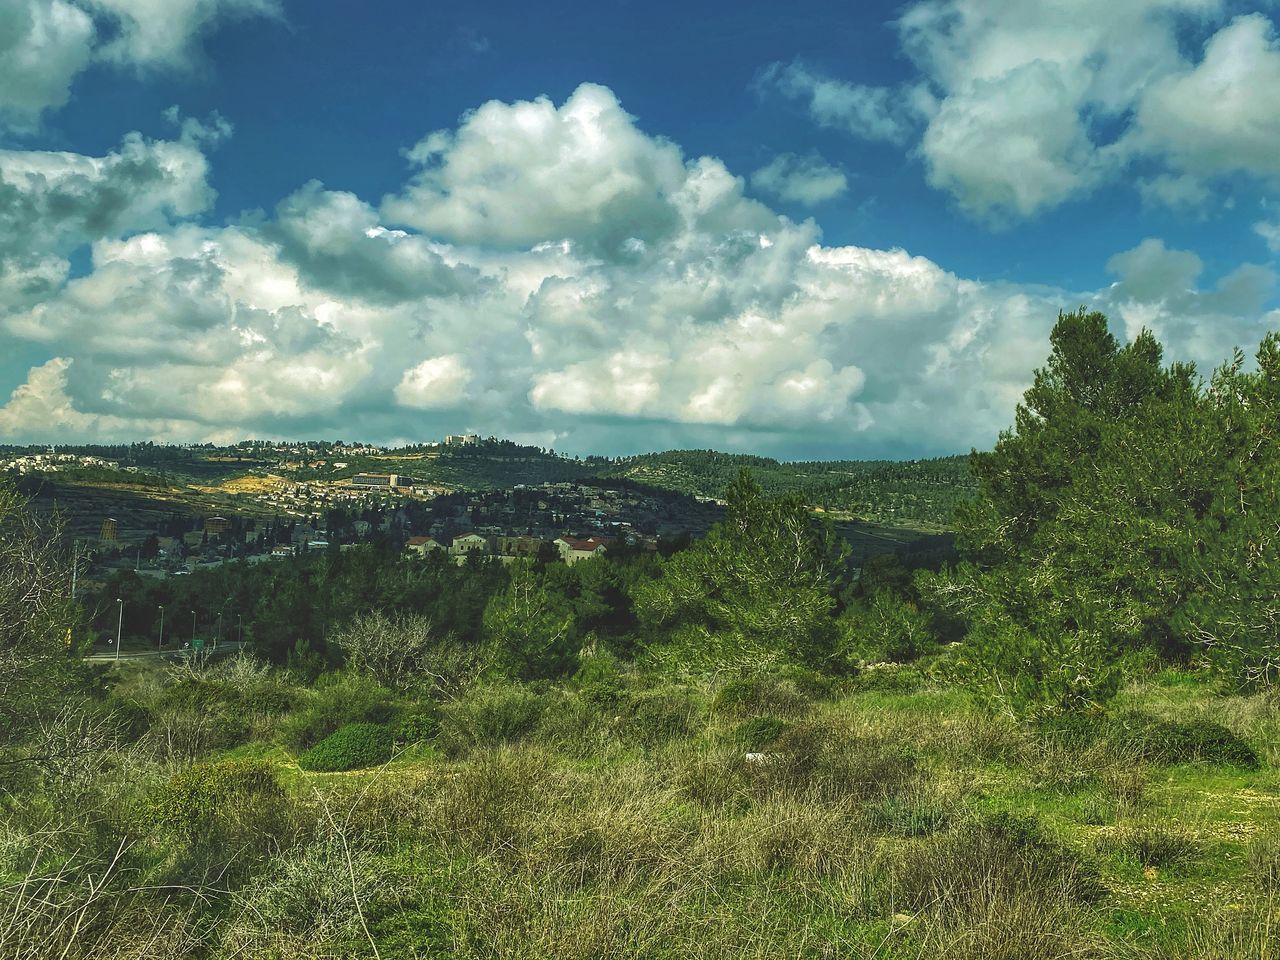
{"x": 887, "y": 678}
{"x": 1174, "y": 741}
{"x": 808, "y": 683}
{"x": 488, "y": 716}
{"x": 660, "y": 716}
{"x": 829, "y": 764}
{"x": 747, "y": 696}
{"x": 600, "y": 680}
{"x": 129, "y": 718}
{"x": 992, "y": 857}
{"x": 1151, "y": 844}
{"x": 338, "y": 700}
{"x": 758, "y": 733}
{"x": 194, "y": 798}
{"x": 913, "y": 813}
{"x": 420, "y": 723}
{"x": 349, "y": 748}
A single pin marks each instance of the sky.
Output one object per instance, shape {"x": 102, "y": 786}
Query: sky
{"x": 815, "y": 230}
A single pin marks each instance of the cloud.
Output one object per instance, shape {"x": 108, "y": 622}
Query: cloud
{"x": 548, "y": 271}
{"x": 1021, "y": 108}
{"x": 1219, "y": 116}
{"x": 518, "y": 174}
{"x": 337, "y": 242}
{"x": 873, "y": 113}
{"x": 166, "y": 33}
{"x": 806, "y": 180}
{"x": 40, "y": 408}
{"x": 439, "y": 382}
{"x": 1270, "y": 232}
{"x": 45, "y": 44}
{"x": 52, "y": 203}
{"x": 1158, "y": 290}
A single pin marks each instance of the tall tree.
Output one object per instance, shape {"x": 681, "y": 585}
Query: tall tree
{"x": 1109, "y": 519}
{"x": 759, "y": 588}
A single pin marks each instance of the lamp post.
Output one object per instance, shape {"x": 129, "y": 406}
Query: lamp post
{"x": 193, "y": 628}
{"x": 160, "y": 645}
{"x": 119, "y": 625}
{"x": 240, "y": 629}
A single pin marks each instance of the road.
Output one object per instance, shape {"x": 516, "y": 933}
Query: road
{"x": 110, "y": 656}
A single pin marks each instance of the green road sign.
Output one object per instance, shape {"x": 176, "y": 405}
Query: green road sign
{"x": 197, "y": 644}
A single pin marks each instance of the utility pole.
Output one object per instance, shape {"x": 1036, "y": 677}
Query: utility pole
{"x": 160, "y": 645}
{"x": 119, "y": 625}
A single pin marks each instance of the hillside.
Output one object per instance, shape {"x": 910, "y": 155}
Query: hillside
{"x": 916, "y": 494}
{"x": 920, "y": 492}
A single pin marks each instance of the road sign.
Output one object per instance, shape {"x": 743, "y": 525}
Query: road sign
{"x": 198, "y": 644}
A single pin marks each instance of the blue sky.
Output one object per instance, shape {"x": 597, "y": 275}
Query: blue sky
{"x": 818, "y": 230}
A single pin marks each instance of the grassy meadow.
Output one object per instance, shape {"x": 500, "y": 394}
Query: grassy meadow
{"x": 619, "y": 814}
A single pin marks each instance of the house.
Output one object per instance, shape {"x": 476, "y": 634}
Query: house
{"x": 519, "y": 546}
{"x": 282, "y": 550}
{"x": 469, "y": 543}
{"x": 423, "y": 545}
{"x": 573, "y": 549}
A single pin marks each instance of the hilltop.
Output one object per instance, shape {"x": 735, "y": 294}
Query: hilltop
{"x": 242, "y": 478}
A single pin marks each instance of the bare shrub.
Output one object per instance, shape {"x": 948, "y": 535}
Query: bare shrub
{"x": 395, "y": 648}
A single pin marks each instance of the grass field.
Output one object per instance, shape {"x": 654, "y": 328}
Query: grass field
{"x": 631, "y": 817}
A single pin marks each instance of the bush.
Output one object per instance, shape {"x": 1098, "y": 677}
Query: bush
{"x": 991, "y": 857}
{"x": 1152, "y": 845}
{"x": 660, "y": 716}
{"x": 196, "y": 794}
{"x": 1173, "y": 741}
{"x": 758, "y": 733}
{"x": 912, "y": 813}
{"x": 338, "y": 700}
{"x": 418, "y": 724}
{"x": 219, "y": 818}
{"x": 600, "y": 680}
{"x": 488, "y": 716}
{"x": 349, "y": 748}
{"x": 827, "y": 764}
{"x": 886, "y": 678}
{"x": 129, "y": 719}
{"x": 747, "y": 696}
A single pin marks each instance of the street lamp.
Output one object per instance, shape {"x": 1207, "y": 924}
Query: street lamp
{"x": 119, "y": 625}
{"x": 239, "y": 629}
{"x": 160, "y": 645}
{"x": 193, "y": 629}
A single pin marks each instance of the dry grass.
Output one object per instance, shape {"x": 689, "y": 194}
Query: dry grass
{"x": 560, "y": 827}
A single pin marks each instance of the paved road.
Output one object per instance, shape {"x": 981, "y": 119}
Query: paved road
{"x": 110, "y": 656}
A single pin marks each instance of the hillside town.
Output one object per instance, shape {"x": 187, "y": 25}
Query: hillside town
{"x": 564, "y": 521}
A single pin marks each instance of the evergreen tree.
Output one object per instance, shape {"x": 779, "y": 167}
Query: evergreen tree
{"x": 759, "y": 588}
{"x": 1130, "y": 512}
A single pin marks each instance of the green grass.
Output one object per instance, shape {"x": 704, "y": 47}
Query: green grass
{"x": 877, "y": 825}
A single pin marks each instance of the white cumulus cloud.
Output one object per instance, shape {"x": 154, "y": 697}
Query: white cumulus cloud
{"x": 45, "y": 44}
{"x": 806, "y": 180}
{"x": 1018, "y": 108}
{"x": 547, "y": 270}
